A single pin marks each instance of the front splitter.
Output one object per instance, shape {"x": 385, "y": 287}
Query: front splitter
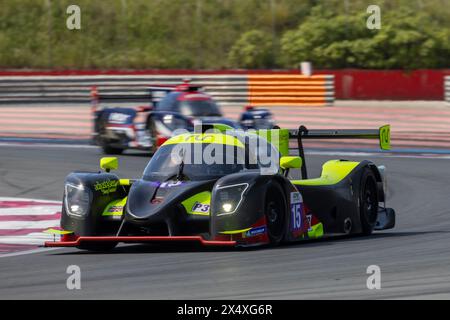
{"x": 141, "y": 239}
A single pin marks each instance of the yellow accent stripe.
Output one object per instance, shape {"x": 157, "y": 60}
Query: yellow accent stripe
{"x": 55, "y": 231}
{"x": 235, "y": 231}
{"x": 124, "y": 182}
{"x": 203, "y": 198}
{"x": 218, "y": 138}
{"x": 333, "y": 172}
{"x": 316, "y": 232}
{"x": 115, "y": 203}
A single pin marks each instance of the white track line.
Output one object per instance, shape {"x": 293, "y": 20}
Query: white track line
{"x": 46, "y": 145}
{"x": 16, "y": 225}
{"x": 32, "y": 238}
{"x": 378, "y": 155}
{"x": 20, "y": 253}
{"x": 56, "y": 202}
{"x": 43, "y": 210}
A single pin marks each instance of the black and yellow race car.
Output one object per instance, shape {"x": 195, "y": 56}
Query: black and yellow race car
{"x": 217, "y": 186}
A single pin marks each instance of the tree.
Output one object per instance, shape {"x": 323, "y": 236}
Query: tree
{"x": 407, "y": 39}
{"x": 254, "y": 49}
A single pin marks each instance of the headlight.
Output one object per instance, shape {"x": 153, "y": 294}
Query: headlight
{"x": 77, "y": 200}
{"x": 229, "y": 197}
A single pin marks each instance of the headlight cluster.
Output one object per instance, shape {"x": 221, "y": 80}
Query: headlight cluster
{"x": 77, "y": 200}
{"x": 229, "y": 197}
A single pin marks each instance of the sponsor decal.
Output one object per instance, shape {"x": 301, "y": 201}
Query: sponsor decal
{"x": 255, "y": 231}
{"x": 170, "y": 184}
{"x": 296, "y": 197}
{"x": 309, "y": 218}
{"x": 106, "y": 187}
{"x": 115, "y": 209}
{"x": 200, "y": 207}
{"x": 296, "y": 211}
{"x": 118, "y": 118}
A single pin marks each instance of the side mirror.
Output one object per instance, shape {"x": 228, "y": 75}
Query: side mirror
{"x": 290, "y": 162}
{"x": 109, "y": 163}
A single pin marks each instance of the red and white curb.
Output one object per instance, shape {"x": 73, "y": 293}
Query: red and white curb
{"x": 22, "y": 222}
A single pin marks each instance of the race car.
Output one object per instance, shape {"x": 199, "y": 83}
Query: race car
{"x": 222, "y": 187}
{"x": 167, "y": 109}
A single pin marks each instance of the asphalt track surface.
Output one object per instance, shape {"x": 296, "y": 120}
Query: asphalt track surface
{"x": 414, "y": 257}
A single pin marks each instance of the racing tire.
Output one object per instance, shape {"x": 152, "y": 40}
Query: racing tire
{"x": 110, "y": 150}
{"x": 98, "y": 246}
{"x": 107, "y": 149}
{"x": 368, "y": 201}
{"x": 275, "y": 213}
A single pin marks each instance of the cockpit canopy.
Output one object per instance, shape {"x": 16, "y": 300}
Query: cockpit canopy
{"x": 204, "y": 156}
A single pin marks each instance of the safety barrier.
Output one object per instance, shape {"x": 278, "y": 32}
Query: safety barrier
{"x": 296, "y": 90}
{"x": 447, "y": 89}
{"x": 226, "y": 89}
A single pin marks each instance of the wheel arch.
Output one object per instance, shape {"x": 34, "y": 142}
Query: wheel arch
{"x": 379, "y": 181}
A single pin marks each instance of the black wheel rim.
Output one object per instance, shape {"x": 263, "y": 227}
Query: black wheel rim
{"x": 370, "y": 205}
{"x": 274, "y": 219}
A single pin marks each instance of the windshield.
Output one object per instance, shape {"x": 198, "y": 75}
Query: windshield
{"x": 202, "y": 161}
{"x": 199, "y": 108}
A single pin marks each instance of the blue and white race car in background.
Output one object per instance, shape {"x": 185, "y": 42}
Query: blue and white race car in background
{"x": 148, "y": 126}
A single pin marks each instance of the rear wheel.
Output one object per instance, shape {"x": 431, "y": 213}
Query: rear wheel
{"x": 102, "y": 141}
{"x": 368, "y": 202}
{"x": 275, "y": 213}
{"x": 110, "y": 150}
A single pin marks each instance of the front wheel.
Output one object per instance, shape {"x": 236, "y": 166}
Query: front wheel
{"x": 368, "y": 202}
{"x": 275, "y": 213}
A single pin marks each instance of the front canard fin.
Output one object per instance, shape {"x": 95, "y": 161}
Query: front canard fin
{"x": 56, "y": 231}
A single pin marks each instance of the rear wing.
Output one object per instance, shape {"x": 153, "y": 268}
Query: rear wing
{"x": 383, "y": 134}
{"x": 148, "y": 94}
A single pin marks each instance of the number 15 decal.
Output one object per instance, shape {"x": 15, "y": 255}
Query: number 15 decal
{"x": 296, "y": 210}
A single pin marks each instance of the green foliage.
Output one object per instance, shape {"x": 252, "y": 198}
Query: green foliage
{"x": 206, "y": 34}
{"x": 407, "y": 39}
{"x": 254, "y": 49}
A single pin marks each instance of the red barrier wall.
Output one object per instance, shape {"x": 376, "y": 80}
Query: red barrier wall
{"x": 349, "y": 83}
{"x": 389, "y": 85}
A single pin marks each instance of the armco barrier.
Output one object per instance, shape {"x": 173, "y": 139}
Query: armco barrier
{"x": 227, "y": 89}
{"x": 447, "y": 89}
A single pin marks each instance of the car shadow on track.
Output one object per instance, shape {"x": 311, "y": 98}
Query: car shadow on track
{"x": 187, "y": 248}
{"x": 151, "y": 248}
{"x": 330, "y": 240}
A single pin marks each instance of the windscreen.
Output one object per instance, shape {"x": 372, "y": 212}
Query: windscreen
{"x": 201, "y": 161}
{"x": 199, "y": 108}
